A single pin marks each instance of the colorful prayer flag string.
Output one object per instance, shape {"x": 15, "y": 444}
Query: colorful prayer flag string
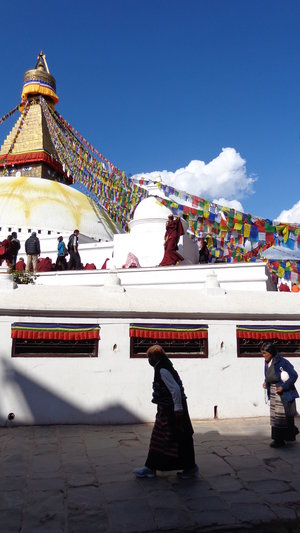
{"x": 5, "y": 117}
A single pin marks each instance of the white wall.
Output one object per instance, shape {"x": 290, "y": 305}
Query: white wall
{"x": 241, "y": 276}
{"x": 113, "y": 388}
{"x": 116, "y": 389}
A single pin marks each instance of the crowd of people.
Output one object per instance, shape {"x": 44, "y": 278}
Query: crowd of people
{"x": 9, "y": 249}
{"x": 68, "y": 257}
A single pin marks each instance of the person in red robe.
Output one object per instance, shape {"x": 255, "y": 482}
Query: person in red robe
{"x": 104, "y": 266}
{"x": 45, "y": 265}
{"x": 90, "y": 266}
{"x": 174, "y": 230}
{"x": 283, "y": 287}
{"x": 20, "y": 265}
{"x": 7, "y": 256}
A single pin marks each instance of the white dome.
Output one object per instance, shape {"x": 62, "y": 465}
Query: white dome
{"x": 151, "y": 208}
{"x": 45, "y": 204}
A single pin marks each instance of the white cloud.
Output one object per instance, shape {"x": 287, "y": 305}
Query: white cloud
{"x": 234, "y": 204}
{"x": 290, "y": 215}
{"x": 224, "y": 176}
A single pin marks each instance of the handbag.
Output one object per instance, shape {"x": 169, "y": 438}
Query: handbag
{"x": 283, "y": 375}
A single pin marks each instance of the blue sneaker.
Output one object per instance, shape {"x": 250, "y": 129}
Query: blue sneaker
{"x": 189, "y": 473}
{"x": 144, "y": 472}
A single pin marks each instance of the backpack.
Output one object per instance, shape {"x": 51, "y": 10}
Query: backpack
{"x": 65, "y": 251}
{"x": 70, "y": 245}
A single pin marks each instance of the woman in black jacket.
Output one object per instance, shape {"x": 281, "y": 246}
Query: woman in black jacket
{"x": 171, "y": 445}
{"x": 280, "y": 377}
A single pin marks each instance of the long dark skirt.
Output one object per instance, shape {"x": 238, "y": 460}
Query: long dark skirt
{"x": 170, "y": 449}
{"x": 281, "y": 417}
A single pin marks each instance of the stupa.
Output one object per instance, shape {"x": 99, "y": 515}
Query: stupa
{"x": 35, "y": 190}
{"x": 44, "y": 159}
{"x": 75, "y": 333}
{"x": 32, "y": 145}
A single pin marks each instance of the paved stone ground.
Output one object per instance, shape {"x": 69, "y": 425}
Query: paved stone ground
{"x": 78, "y": 479}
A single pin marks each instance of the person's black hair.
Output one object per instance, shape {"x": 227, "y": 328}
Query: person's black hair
{"x": 269, "y": 347}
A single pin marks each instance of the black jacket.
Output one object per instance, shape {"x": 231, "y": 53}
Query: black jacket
{"x": 32, "y": 246}
{"x": 15, "y": 246}
{"x": 161, "y": 394}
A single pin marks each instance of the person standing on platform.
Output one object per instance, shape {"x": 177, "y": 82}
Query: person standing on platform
{"x": 171, "y": 445}
{"x": 174, "y": 230}
{"x": 15, "y": 247}
{"x": 204, "y": 254}
{"x": 280, "y": 378}
{"x": 6, "y": 244}
{"x": 62, "y": 252}
{"x": 33, "y": 250}
{"x": 75, "y": 260}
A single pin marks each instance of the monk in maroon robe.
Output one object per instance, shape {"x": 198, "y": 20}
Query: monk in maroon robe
{"x": 6, "y": 244}
{"x": 174, "y": 230}
{"x": 20, "y": 265}
{"x": 45, "y": 265}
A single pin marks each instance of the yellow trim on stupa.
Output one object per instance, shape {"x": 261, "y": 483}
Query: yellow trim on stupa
{"x": 39, "y": 81}
{"x": 38, "y": 88}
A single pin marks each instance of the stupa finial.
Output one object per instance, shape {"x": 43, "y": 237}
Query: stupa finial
{"x": 41, "y": 63}
{"x": 39, "y": 81}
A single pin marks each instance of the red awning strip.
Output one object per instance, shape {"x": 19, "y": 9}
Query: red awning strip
{"x": 265, "y": 333}
{"x": 54, "y": 332}
{"x": 169, "y": 333}
{"x": 55, "y": 335}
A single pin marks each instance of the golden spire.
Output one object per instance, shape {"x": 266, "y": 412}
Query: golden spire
{"x": 41, "y": 63}
{"x": 39, "y": 81}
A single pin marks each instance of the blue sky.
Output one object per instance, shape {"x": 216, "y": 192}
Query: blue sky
{"x": 156, "y": 84}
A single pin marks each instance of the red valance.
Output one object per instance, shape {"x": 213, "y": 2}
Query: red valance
{"x": 268, "y": 332}
{"x": 168, "y": 332}
{"x": 66, "y": 332}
